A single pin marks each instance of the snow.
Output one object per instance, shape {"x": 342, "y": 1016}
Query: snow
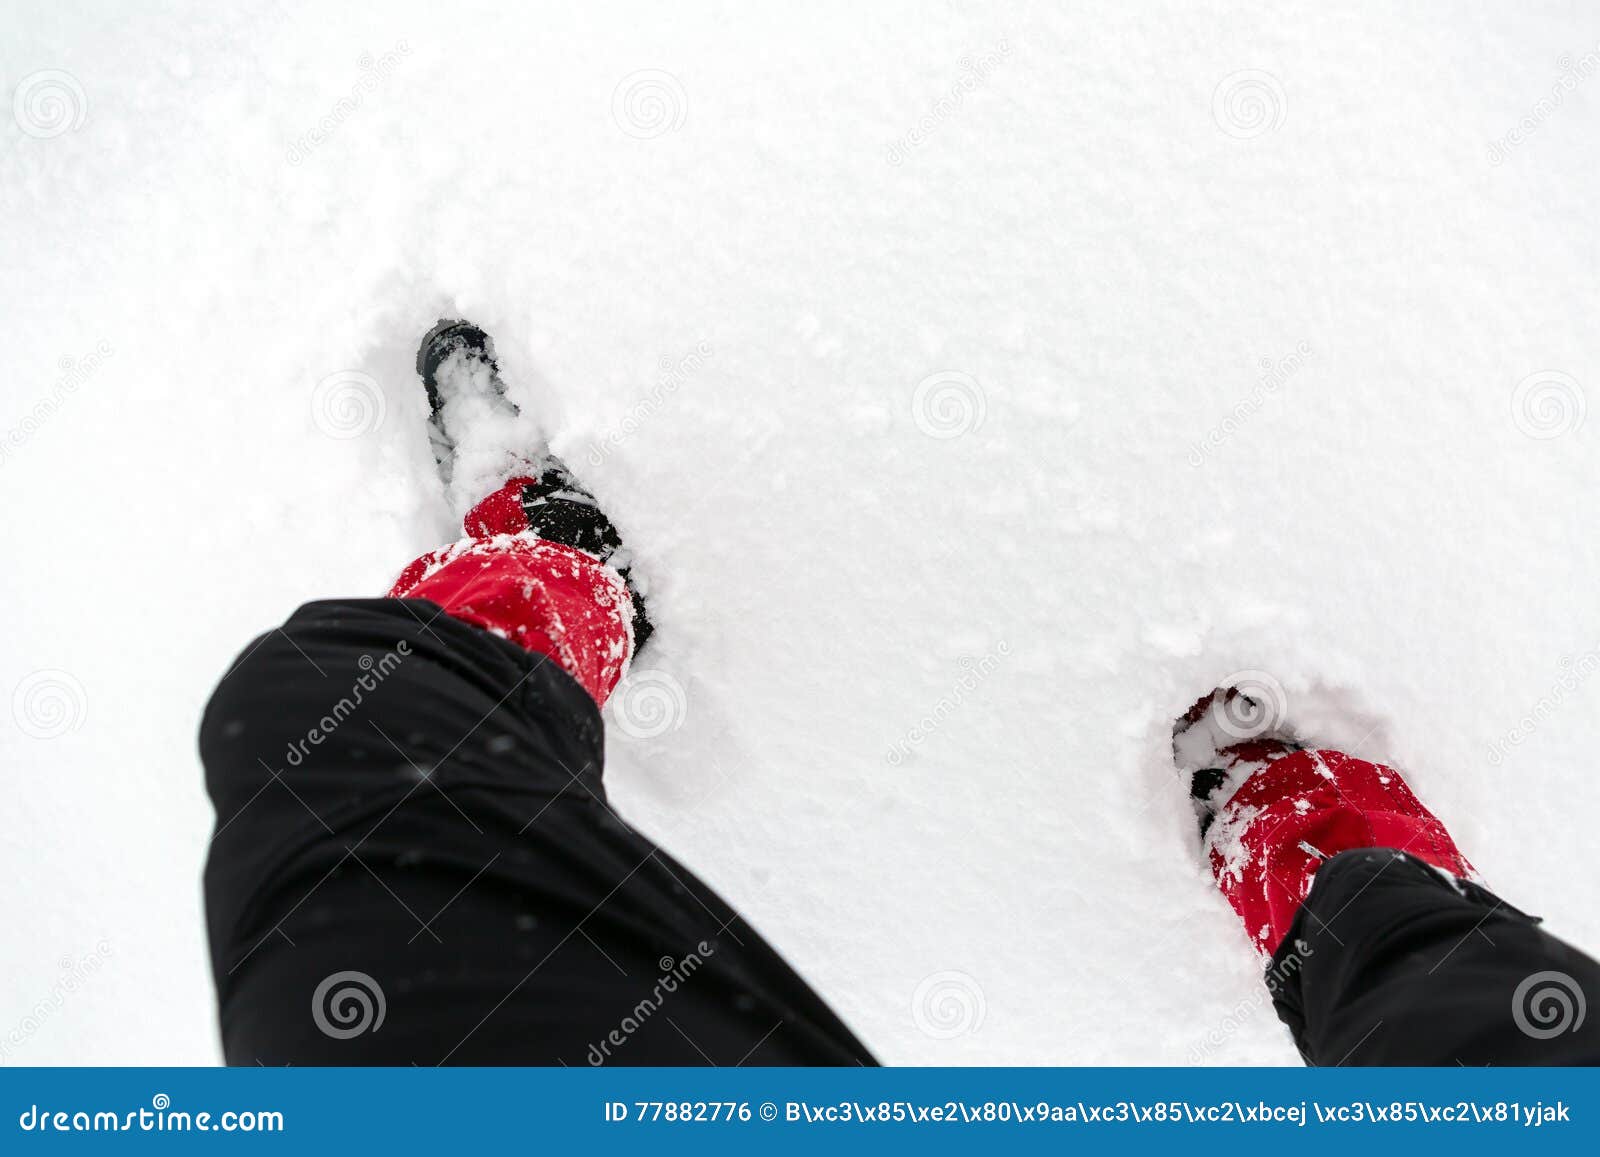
{"x": 962, "y": 294}
{"x": 478, "y": 438}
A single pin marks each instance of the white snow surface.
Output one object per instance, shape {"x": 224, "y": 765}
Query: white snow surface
{"x": 976, "y": 386}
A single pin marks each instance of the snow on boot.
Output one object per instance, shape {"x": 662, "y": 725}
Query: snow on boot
{"x": 485, "y": 445}
{"x": 1222, "y": 740}
{"x": 1273, "y": 811}
{"x": 479, "y": 436}
{"x": 554, "y": 507}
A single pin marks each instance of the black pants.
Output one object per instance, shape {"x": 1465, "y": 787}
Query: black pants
{"x": 415, "y": 863}
{"x": 1389, "y": 962}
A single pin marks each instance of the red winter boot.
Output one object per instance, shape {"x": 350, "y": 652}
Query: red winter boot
{"x": 542, "y": 565}
{"x": 543, "y": 596}
{"x": 1272, "y": 812}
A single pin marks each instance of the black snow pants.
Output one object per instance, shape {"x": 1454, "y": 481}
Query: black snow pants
{"x": 1391, "y": 962}
{"x": 415, "y": 863}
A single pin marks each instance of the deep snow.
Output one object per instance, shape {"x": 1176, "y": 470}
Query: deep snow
{"x": 977, "y": 385}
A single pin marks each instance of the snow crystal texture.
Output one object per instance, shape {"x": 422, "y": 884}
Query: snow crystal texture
{"x": 976, "y": 387}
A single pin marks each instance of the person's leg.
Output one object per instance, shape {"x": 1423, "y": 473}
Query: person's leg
{"x": 1391, "y": 962}
{"x": 415, "y": 861}
{"x": 1383, "y": 948}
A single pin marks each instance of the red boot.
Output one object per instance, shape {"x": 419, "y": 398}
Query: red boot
{"x": 542, "y": 565}
{"x": 544, "y": 596}
{"x": 1272, "y": 812}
